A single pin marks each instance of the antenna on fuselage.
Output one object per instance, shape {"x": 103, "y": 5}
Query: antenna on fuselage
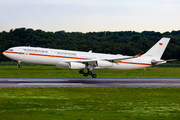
{"x": 90, "y": 51}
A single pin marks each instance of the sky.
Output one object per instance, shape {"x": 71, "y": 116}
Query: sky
{"x": 90, "y": 15}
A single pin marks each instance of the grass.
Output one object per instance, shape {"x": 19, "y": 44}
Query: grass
{"x": 89, "y": 103}
{"x": 36, "y": 71}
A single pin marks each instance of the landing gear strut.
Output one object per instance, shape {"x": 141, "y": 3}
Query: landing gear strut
{"x": 88, "y": 73}
{"x": 19, "y": 64}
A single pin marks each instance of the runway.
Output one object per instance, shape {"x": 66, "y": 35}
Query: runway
{"x": 89, "y": 82}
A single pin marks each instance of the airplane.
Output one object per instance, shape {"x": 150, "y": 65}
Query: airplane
{"x": 88, "y": 60}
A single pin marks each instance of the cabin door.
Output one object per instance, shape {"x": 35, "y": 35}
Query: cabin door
{"x": 138, "y": 61}
{"x": 20, "y": 51}
{"x": 53, "y": 54}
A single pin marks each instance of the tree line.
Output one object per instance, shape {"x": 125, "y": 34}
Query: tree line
{"x": 122, "y": 42}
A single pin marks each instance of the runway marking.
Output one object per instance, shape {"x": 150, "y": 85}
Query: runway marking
{"x": 37, "y": 80}
{"x": 50, "y": 84}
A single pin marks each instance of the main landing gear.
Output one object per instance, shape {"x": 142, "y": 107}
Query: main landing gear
{"x": 19, "y": 64}
{"x": 88, "y": 73}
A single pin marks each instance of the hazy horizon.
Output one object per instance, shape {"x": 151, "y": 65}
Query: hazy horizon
{"x": 90, "y": 15}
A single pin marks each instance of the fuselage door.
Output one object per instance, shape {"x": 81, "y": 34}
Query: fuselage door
{"x": 26, "y": 53}
{"x": 53, "y": 54}
{"x": 20, "y": 51}
{"x": 138, "y": 61}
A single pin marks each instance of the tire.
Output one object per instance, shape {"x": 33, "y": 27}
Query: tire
{"x": 81, "y": 71}
{"x": 85, "y": 74}
{"x": 20, "y": 66}
{"x": 90, "y": 72}
{"x": 94, "y": 75}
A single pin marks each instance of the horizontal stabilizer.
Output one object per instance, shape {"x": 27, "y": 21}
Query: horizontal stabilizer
{"x": 155, "y": 62}
{"x": 171, "y": 60}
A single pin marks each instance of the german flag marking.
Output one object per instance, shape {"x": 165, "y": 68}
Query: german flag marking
{"x": 160, "y": 44}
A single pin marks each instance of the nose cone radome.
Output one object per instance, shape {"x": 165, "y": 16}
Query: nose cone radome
{"x": 5, "y": 53}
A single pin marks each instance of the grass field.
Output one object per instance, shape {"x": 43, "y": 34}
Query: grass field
{"x": 89, "y": 103}
{"x": 55, "y": 72}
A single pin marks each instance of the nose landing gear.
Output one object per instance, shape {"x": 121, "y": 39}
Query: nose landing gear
{"x": 19, "y": 64}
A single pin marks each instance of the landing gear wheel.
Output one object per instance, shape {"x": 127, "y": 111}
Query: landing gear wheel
{"x": 85, "y": 74}
{"x": 20, "y": 66}
{"x": 81, "y": 71}
{"x": 94, "y": 75}
{"x": 90, "y": 72}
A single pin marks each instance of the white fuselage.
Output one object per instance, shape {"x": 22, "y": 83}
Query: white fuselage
{"x": 60, "y": 58}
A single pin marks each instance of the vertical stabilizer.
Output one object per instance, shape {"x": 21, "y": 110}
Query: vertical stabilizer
{"x": 158, "y": 49}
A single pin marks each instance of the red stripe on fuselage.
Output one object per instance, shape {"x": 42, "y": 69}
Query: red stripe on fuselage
{"x": 136, "y": 63}
{"x": 13, "y": 52}
{"x": 41, "y": 55}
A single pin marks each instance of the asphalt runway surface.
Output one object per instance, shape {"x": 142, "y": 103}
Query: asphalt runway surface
{"x": 89, "y": 82}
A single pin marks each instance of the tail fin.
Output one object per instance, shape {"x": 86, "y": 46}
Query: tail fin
{"x": 158, "y": 49}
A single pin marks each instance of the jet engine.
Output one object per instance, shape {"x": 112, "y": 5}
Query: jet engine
{"x": 75, "y": 65}
{"x": 104, "y": 64}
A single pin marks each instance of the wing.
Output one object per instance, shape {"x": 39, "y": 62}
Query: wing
{"x": 114, "y": 59}
{"x": 123, "y": 58}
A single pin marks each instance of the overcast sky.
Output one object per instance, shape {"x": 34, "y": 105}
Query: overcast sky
{"x": 90, "y": 15}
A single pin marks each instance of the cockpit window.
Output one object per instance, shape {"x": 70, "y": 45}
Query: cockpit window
{"x": 11, "y": 50}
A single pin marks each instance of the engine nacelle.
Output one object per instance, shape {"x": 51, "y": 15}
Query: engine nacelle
{"x": 62, "y": 64}
{"x": 75, "y": 65}
{"x": 104, "y": 64}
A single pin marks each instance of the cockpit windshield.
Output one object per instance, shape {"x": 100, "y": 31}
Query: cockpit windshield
{"x": 11, "y": 50}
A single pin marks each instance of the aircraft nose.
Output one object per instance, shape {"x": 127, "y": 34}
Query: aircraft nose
{"x": 4, "y": 53}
